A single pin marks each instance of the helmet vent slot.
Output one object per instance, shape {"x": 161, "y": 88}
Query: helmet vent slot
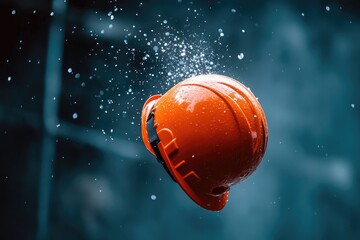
{"x": 219, "y": 190}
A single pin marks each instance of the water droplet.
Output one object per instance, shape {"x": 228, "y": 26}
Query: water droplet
{"x": 77, "y": 75}
{"x": 353, "y": 105}
{"x": 254, "y": 134}
{"x": 240, "y": 56}
{"x": 9, "y": 78}
{"x": 327, "y": 8}
{"x": 75, "y": 116}
{"x": 69, "y": 70}
{"x": 13, "y": 12}
{"x": 153, "y": 197}
{"x": 52, "y": 14}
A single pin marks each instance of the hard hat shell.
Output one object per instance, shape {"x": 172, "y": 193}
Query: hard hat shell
{"x": 212, "y": 134}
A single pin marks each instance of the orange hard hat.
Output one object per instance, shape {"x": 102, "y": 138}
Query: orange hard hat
{"x": 209, "y": 132}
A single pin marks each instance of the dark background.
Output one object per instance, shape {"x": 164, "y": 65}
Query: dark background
{"x": 75, "y": 74}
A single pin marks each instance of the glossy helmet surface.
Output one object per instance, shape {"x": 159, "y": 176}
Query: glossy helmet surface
{"x": 209, "y": 132}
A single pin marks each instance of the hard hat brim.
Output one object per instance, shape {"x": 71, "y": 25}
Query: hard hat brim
{"x": 207, "y": 201}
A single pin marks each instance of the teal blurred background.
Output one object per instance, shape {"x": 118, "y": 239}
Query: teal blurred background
{"x": 75, "y": 74}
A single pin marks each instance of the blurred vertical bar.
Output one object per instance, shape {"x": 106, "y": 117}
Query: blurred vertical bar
{"x": 52, "y": 89}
